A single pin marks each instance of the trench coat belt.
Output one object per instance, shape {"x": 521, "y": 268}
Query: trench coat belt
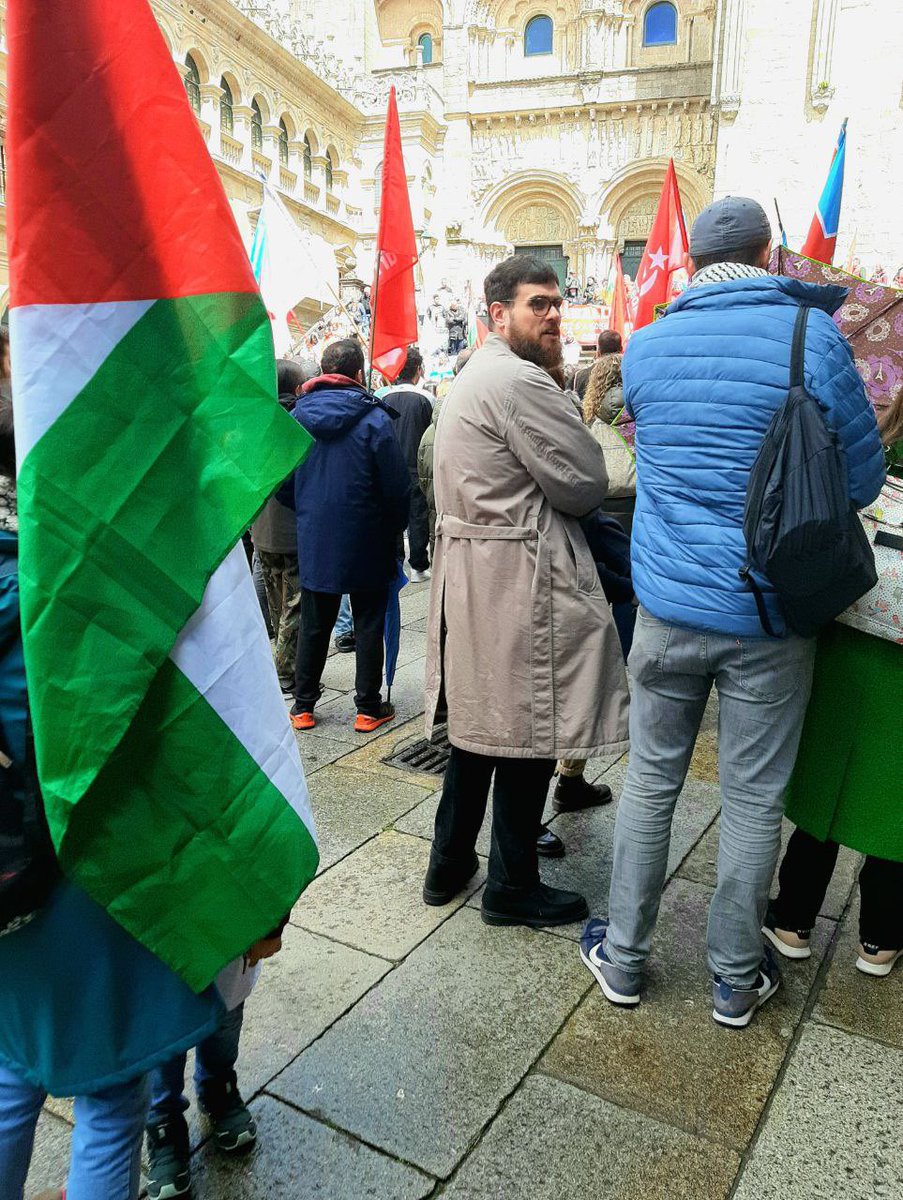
{"x": 454, "y": 527}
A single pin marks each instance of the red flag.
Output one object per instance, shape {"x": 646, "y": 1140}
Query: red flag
{"x": 394, "y": 308}
{"x": 619, "y": 314}
{"x": 665, "y": 253}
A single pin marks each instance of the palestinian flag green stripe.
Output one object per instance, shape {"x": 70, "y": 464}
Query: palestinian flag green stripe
{"x": 130, "y": 515}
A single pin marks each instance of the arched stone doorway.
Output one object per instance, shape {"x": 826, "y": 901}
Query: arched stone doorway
{"x": 537, "y": 213}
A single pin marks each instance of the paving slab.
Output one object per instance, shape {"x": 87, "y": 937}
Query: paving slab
{"x": 861, "y": 1003}
{"x": 667, "y": 1058}
{"x": 297, "y": 1158}
{"x": 415, "y": 602}
{"x": 555, "y": 1142}
{"x": 589, "y": 836}
{"x": 301, "y": 992}
{"x": 351, "y": 806}
{"x": 318, "y": 751}
{"x": 702, "y": 867}
{"x": 424, "y": 1060}
{"x": 50, "y": 1159}
{"x": 834, "y": 1127}
{"x": 372, "y": 899}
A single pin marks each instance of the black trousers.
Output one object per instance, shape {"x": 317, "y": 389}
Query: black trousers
{"x": 518, "y": 798}
{"x": 804, "y": 877}
{"x": 318, "y": 616}
{"x": 418, "y": 530}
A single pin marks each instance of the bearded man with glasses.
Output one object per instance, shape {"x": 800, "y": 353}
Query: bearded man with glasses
{"x": 522, "y": 649}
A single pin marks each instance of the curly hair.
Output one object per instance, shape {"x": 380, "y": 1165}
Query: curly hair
{"x": 605, "y": 374}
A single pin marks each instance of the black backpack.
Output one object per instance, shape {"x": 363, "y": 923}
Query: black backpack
{"x": 802, "y": 532}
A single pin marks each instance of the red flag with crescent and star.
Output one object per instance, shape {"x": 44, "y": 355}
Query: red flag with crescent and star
{"x": 665, "y": 253}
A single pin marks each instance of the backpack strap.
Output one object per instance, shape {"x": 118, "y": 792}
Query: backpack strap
{"x": 764, "y": 619}
{"x": 798, "y": 347}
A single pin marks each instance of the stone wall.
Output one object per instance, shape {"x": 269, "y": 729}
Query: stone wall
{"x": 804, "y": 67}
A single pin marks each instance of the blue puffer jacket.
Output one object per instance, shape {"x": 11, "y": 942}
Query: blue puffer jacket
{"x": 703, "y": 384}
{"x": 352, "y": 493}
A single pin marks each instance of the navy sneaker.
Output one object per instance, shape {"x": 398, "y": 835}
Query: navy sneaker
{"x": 620, "y": 987}
{"x": 735, "y": 1006}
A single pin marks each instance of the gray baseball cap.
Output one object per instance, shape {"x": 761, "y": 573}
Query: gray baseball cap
{"x": 728, "y": 224}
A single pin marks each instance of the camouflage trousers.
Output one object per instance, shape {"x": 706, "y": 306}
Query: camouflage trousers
{"x": 280, "y": 578}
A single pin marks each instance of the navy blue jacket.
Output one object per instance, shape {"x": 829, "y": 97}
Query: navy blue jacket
{"x": 703, "y": 384}
{"x": 352, "y": 493}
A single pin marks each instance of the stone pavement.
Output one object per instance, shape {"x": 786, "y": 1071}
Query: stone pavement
{"x": 398, "y": 1052}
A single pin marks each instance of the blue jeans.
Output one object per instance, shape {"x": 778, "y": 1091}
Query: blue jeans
{"x": 345, "y": 623}
{"x": 214, "y": 1068}
{"x": 106, "y": 1141}
{"x": 763, "y": 688}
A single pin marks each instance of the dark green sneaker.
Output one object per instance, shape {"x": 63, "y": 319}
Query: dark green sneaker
{"x": 233, "y": 1126}
{"x": 168, "y": 1155}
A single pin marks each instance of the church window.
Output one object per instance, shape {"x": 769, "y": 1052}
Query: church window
{"x": 283, "y": 143}
{"x": 193, "y": 84}
{"x": 377, "y": 186}
{"x": 226, "y": 121}
{"x": 425, "y": 42}
{"x": 538, "y": 36}
{"x": 256, "y": 125}
{"x": 308, "y": 158}
{"x": 660, "y": 25}
{"x": 330, "y": 167}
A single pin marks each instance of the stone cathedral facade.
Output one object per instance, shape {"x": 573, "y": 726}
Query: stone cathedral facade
{"x": 544, "y": 125}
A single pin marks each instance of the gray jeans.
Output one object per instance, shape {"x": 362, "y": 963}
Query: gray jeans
{"x": 763, "y": 688}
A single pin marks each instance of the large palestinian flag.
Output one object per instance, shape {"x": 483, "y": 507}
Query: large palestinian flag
{"x": 148, "y": 437}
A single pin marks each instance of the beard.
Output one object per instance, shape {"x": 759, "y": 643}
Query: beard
{"x": 544, "y": 351}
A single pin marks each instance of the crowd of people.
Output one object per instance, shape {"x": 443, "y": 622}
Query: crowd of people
{"x": 565, "y": 558}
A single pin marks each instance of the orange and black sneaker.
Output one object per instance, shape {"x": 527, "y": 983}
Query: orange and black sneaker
{"x": 302, "y": 720}
{"x": 366, "y": 723}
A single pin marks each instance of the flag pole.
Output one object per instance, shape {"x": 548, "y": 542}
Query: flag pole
{"x": 780, "y": 223}
{"x": 373, "y": 315}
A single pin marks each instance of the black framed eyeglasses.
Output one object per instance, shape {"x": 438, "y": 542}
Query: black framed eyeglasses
{"x": 540, "y": 304}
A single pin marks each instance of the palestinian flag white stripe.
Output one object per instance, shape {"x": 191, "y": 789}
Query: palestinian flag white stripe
{"x": 225, "y": 653}
{"x": 59, "y": 348}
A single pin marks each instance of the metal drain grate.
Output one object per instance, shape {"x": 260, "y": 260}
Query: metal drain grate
{"x": 427, "y": 758}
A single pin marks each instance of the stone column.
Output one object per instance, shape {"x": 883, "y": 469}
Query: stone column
{"x": 821, "y": 89}
{"x": 271, "y": 151}
{"x": 727, "y": 78}
{"x": 319, "y": 162}
{"x": 211, "y": 94}
{"x": 241, "y": 131}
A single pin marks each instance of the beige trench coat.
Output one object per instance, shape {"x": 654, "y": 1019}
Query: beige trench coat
{"x": 520, "y": 643}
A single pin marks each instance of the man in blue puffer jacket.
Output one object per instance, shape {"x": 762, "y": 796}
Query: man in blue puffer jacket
{"x": 352, "y": 502}
{"x": 703, "y": 385}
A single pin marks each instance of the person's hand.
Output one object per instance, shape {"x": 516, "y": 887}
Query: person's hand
{"x": 265, "y": 948}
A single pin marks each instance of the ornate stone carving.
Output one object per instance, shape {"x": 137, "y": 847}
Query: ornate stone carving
{"x": 535, "y": 224}
{"x": 637, "y": 220}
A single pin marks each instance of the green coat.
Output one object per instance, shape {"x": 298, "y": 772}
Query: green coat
{"x": 848, "y": 785}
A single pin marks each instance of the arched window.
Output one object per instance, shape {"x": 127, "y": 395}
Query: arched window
{"x": 308, "y": 158}
{"x": 226, "y": 121}
{"x": 377, "y": 186}
{"x": 283, "y": 143}
{"x": 256, "y": 125}
{"x": 660, "y": 25}
{"x": 330, "y": 167}
{"x": 538, "y": 36}
{"x": 425, "y": 42}
{"x": 193, "y": 84}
